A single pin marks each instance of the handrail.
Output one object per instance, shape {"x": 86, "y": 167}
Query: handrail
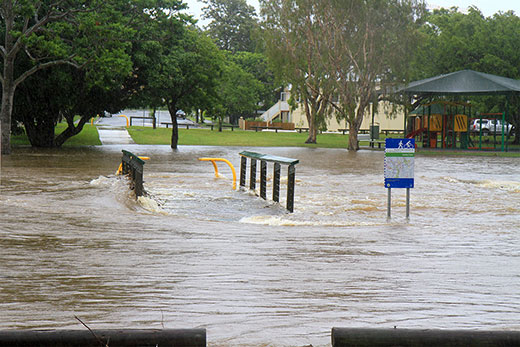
{"x": 127, "y": 120}
{"x": 214, "y": 160}
{"x": 120, "y": 168}
{"x": 278, "y": 161}
{"x": 132, "y": 165}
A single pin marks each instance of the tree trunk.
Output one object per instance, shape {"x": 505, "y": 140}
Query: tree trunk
{"x": 8, "y": 89}
{"x": 40, "y": 134}
{"x": 311, "y": 120}
{"x": 175, "y": 126}
{"x": 71, "y": 129}
{"x": 354, "y": 122}
{"x": 353, "y": 143}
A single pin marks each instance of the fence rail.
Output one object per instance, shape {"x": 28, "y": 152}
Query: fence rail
{"x": 278, "y": 161}
{"x": 132, "y": 165}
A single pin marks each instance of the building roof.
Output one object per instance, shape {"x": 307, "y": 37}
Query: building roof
{"x": 463, "y": 82}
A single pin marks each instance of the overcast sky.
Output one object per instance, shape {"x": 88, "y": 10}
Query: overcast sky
{"x": 488, "y": 7}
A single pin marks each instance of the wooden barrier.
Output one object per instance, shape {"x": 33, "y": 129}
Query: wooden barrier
{"x": 278, "y": 161}
{"x": 100, "y": 338}
{"x": 343, "y": 337}
{"x": 132, "y": 165}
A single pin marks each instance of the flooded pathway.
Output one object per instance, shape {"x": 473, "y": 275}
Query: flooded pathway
{"x": 73, "y": 241}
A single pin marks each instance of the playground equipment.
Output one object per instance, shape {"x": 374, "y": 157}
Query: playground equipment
{"x": 441, "y": 122}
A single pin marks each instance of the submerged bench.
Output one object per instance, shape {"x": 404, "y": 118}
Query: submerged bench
{"x": 278, "y": 161}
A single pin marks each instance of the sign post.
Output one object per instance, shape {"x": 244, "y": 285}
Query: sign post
{"x": 399, "y": 169}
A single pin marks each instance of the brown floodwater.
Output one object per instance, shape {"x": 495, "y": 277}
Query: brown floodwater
{"x": 196, "y": 254}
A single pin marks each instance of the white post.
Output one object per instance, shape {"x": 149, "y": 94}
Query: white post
{"x": 389, "y": 204}
{"x": 407, "y": 203}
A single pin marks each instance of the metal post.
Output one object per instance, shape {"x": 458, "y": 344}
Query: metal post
{"x": 503, "y": 128}
{"x": 243, "y": 168}
{"x": 407, "y": 203}
{"x": 290, "y": 187}
{"x": 389, "y": 204}
{"x": 263, "y": 179}
{"x": 252, "y": 176}
{"x": 276, "y": 182}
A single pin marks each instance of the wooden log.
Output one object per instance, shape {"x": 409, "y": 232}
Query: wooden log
{"x": 98, "y": 338}
{"x": 343, "y": 337}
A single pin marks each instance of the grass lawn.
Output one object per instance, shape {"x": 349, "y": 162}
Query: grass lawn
{"x": 205, "y": 137}
{"x": 162, "y": 136}
{"x": 87, "y": 137}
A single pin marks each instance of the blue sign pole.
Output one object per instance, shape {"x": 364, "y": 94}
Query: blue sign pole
{"x": 399, "y": 168}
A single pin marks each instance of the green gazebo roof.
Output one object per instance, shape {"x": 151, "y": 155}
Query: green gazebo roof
{"x": 463, "y": 82}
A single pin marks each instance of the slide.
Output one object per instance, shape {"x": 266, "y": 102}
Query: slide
{"x": 415, "y": 133}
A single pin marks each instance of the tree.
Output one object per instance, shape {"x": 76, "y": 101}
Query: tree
{"x": 181, "y": 69}
{"x": 103, "y": 39}
{"x": 238, "y": 93}
{"x": 60, "y": 92}
{"x": 367, "y": 45}
{"x": 257, "y": 65}
{"x": 232, "y": 23}
{"x": 453, "y": 41}
{"x": 293, "y": 46}
{"x": 28, "y": 28}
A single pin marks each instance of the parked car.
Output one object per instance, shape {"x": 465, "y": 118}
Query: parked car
{"x": 490, "y": 126}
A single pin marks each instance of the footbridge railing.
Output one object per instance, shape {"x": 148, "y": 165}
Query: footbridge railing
{"x": 132, "y": 165}
{"x": 278, "y": 162}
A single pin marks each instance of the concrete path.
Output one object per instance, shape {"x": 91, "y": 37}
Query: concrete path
{"x": 112, "y": 131}
{"x": 114, "y": 136}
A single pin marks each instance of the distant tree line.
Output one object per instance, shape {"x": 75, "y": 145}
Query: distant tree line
{"x": 74, "y": 59}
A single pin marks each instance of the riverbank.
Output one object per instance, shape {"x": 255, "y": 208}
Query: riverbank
{"x": 206, "y": 137}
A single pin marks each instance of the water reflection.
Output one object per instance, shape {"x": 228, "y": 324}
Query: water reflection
{"x": 73, "y": 241}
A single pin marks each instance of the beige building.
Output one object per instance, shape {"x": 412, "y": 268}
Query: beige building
{"x": 384, "y": 117}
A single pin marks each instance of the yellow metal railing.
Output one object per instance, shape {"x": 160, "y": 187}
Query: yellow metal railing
{"x": 127, "y": 120}
{"x": 214, "y": 160}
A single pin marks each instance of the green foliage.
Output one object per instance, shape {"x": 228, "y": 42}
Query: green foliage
{"x": 343, "y": 48}
{"x": 257, "y": 65}
{"x": 232, "y": 24}
{"x": 453, "y": 41}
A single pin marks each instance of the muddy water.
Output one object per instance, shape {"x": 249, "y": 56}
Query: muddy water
{"x": 73, "y": 241}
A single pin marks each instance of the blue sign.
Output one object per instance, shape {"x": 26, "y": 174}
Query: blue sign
{"x": 399, "y": 163}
